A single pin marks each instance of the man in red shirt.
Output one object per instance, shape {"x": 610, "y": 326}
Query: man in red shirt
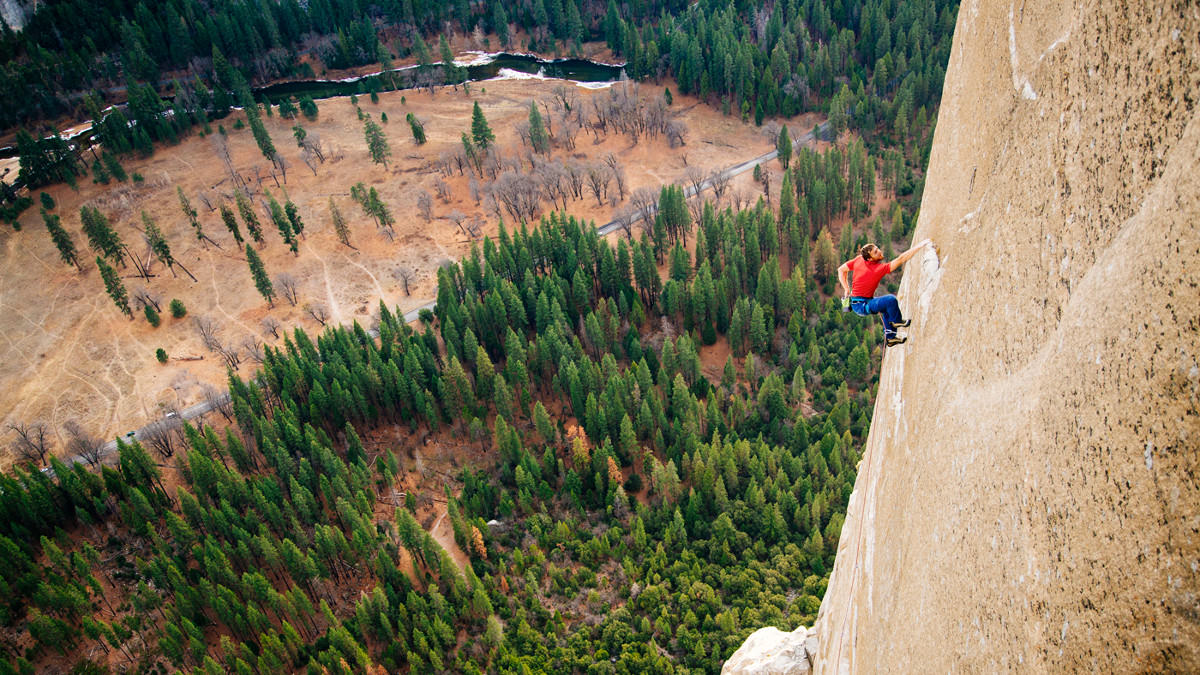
{"x": 869, "y": 268}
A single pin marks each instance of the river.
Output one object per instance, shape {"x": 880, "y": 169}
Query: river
{"x": 479, "y": 67}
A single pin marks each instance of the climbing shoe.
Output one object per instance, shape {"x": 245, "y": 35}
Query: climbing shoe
{"x": 897, "y": 340}
{"x": 902, "y": 324}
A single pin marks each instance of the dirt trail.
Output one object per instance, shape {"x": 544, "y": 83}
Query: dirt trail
{"x": 443, "y": 534}
{"x": 335, "y": 308}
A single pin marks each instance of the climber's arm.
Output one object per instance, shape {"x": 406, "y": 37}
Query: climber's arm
{"x": 842, "y": 272}
{"x": 907, "y": 255}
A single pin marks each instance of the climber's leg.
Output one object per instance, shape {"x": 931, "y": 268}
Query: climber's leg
{"x": 889, "y": 309}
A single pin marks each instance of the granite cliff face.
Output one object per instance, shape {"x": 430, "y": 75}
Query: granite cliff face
{"x": 1028, "y": 496}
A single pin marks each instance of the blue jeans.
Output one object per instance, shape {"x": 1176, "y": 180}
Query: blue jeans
{"x": 887, "y": 306}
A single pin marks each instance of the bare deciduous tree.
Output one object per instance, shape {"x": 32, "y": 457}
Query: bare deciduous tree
{"x": 230, "y": 354}
{"x": 208, "y": 332}
{"x": 645, "y": 201}
{"x": 518, "y": 193}
{"x": 312, "y": 145}
{"x": 220, "y": 146}
{"x": 425, "y": 205}
{"x": 695, "y": 177}
{"x": 219, "y": 401}
{"x": 88, "y": 447}
{"x": 625, "y": 217}
{"x": 575, "y": 173}
{"x": 405, "y": 275}
{"x": 309, "y": 158}
{"x": 280, "y": 165}
{"x": 740, "y": 200}
{"x": 474, "y": 227}
{"x": 271, "y": 325}
{"x": 317, "y": 311}
{"x": 288, "y": 287}
{"x": 720, "y": 183}
{"x": 598, "y": 178}
{"x": 461, "y": 161}
{"x": 143, "y": 297}
{"x": 566, "y": 97}
{"x": 568, "y": 130}
{"x": 32, "y": 442}
{"x": 618, "y": 174}
{"x": 444, "y": 163}
{"x": 253, "y": 348}
{"x": 676, "y": 132}
{"x": 165, "y": 434}
{"x": 695, "y": 206}
{"x": 552, "y": 177}
{"x": 442, "y": 189}
{"x": 457, "y": 217}
{"x": 522, "y": 129}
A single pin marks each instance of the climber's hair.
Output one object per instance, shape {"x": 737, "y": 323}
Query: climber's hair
{"x": 865, "y": 252}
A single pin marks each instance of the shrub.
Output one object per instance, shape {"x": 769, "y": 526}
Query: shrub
{"x": 425, "y": 315}
{"x": 152, "y": 316}
{"x": 633, "y": 483}
{"x": 177, "y": 309}
{"x": 161, "y": 355}
{"x": 47, "y": 201}
{"x": 308, "y": 108}
{"x": 137, "y": 177}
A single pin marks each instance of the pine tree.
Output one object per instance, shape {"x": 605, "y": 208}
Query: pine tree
{"x": 379, "y": 210}
{"x": 824, "y": 262}
{"x": 783, "y": 145}
{"x": 538, "y": 138}
{"x": 293, "y": 215}
{"x": 60, "y": 237}
{"x": 281, "y": 222}
{"x": 339, "y": 223}
{"x": 246, "y": 209}
{"x": 191, "y": 213}
{"x": 481, "y": 133}
{"x": 261, "y": 281}
{"x": 418, "y": 129}
{"x": 158, "y": 245}
{"x": 101, "y": 237}
{"x": 231, "y": 223}
{"x": 112, "y": 284}
{"x": 377, "y": 143}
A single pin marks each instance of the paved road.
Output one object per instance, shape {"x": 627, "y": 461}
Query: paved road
{"x": 207, "y": 406}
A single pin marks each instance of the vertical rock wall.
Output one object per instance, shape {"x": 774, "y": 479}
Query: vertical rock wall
{"x": 1029, "y": 497}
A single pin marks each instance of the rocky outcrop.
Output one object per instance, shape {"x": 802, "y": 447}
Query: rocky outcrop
{"x": 1029, "y": 495}
{"x": 770, "y": 651}
{"x": 14, "y": 13}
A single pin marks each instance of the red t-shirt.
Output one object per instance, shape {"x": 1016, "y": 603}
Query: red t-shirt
{"x": 867, "y": 276}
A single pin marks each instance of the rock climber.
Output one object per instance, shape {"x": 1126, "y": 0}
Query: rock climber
{"x": 869, "y": 268}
